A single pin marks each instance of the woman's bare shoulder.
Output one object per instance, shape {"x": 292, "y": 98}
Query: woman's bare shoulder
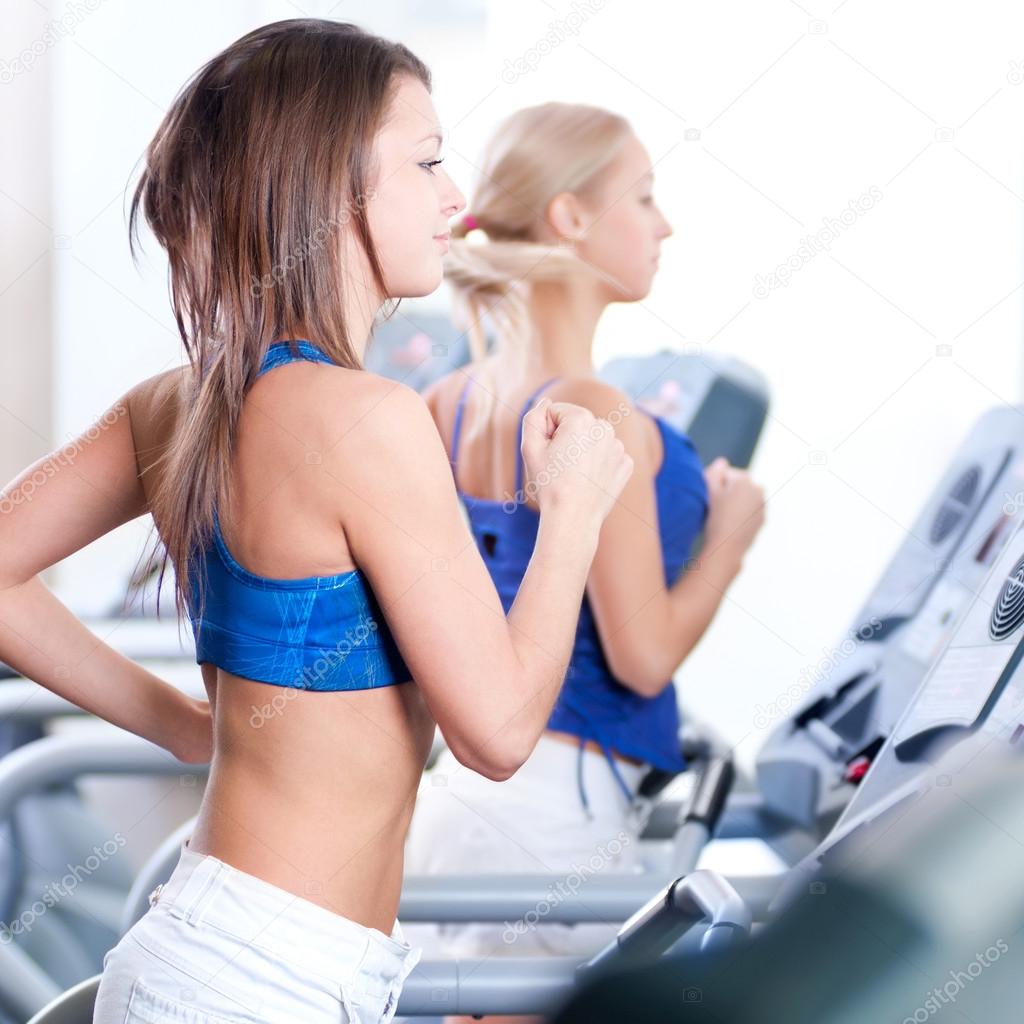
{"x": 600, "y": 398}
{"x": 639, "y": 433}
{"x": 442, "y": 395}
{"x": 154, "y": 403}
{"x": 448, "y": 386}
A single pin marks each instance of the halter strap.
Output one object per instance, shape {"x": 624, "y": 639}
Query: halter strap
{"x": 280, "y": 352}
{"x": 457, "y": 430}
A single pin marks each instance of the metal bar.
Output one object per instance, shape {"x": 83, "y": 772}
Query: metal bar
{"x": 62, "y": 758}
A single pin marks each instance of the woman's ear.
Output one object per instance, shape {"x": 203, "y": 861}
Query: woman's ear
{"x": 564, "y": 216}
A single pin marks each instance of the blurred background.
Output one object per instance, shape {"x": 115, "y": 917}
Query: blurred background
{"x": 765, "y": 121}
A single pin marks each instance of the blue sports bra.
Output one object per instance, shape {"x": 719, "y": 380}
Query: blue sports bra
{"x": 315, "y": 633}
{"x": 592, "y": 703}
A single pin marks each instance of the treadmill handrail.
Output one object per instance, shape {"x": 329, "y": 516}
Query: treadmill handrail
{"x": 22, "y": 700}
{"x": 62, "y": 758}
{"x": 666, "y": 917}
{"x": 488, "y": 898}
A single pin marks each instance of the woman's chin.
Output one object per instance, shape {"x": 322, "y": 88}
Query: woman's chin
{"x": 631, "y": 292}
{"x": 418, "y": 287}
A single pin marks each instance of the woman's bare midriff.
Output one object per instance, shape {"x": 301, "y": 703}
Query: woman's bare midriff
{"x": 567, "y": 737}
{"x": 313, "y": 791}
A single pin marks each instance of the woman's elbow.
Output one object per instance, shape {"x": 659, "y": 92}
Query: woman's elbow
{"x": 646, "y": 676}
{"x": 499, "y": 771}
{"x": 495, "y": 761}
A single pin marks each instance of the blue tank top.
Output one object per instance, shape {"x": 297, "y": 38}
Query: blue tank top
{"x": 592, "y": 703}
{"x": 314, "y": 633}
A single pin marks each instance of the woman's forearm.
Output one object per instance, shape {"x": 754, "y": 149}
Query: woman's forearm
{"x": 41, "y": 639}
{"x": 544, "y": 616}
{"x": 693, "y": 601}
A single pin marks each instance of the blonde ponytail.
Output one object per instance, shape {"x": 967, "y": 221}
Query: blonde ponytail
{"x": 496, "y": 254}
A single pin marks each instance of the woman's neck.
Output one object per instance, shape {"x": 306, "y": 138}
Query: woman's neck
{"x": 564, "y": 316}
{"x": 359, "y": 317}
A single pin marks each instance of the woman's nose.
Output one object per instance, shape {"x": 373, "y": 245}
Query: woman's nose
{"x": 455, "y": 200}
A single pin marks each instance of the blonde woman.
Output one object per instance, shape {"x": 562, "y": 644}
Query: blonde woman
{"x": 561, "y": 224}
{"x": 318, "y": 546}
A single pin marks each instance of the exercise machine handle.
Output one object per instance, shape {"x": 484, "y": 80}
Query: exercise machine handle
{"x": 697, "y": 822}
{"x": 710, "y": 794}
{"x": 662, "y": 921}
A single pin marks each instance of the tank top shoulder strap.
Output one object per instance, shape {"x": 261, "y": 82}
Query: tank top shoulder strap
{"x": 519, "y": 434}
{"x": 280, "y": 352}
{"x": 457, "y": 427}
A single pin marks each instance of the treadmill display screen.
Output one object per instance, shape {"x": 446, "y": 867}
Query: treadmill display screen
{"x": 958, "y": 688}
{"x": 933, "y": 625}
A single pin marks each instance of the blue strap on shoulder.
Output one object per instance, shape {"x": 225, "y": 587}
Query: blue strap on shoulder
{"x": 280, "y": 352}
{"x": 457, "y": 428}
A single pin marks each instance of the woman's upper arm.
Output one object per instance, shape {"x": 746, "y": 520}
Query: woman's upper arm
{"x": 71, "y": 496}
{"x": 626, "y": 586}
{"x": 406, "y": 533}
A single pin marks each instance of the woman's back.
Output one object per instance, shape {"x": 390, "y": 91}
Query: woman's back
{"x": 289, "y": 762}
{"x": 489, "y": 445}
{"x": 483, "y": 440}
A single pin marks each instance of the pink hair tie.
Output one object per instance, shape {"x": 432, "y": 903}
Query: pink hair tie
{"x": 469, "y": 222}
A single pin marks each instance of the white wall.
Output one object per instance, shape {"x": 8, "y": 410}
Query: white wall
{"x": 27, "y": 242}
{"x": 117, "y": 73}
{"x": 762, "y": 119}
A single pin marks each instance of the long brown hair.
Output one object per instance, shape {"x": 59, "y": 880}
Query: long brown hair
{"x": 263, "y": 154}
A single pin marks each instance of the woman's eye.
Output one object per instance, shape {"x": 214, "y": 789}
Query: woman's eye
{"x": 432, "y": 163}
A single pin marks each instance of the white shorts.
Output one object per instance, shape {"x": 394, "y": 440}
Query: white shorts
{"x": 533, "y": 823}
{"x": 219, "y": 945}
